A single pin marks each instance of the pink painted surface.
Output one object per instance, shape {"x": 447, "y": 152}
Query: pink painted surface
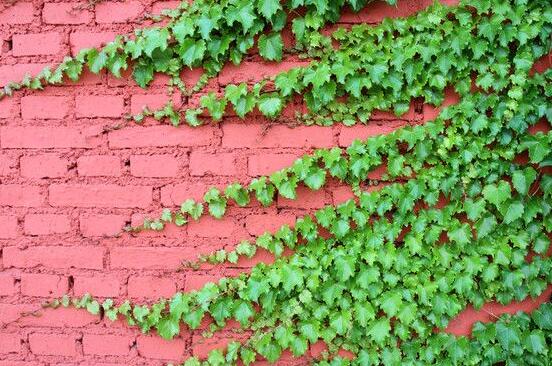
{"x": 71, "y": 179}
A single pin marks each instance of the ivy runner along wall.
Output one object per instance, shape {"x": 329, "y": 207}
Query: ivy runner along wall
{"x": 298, "y": 182}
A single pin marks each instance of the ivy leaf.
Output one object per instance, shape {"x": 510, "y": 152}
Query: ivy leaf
{"x": 193, "y": 318}
{"x": 496, "y": 194}
{"x": 315, "y": 178}
{"x": 195, "y": 210}
{"x": 391, "y": 303}
{"x": 379, "y": 331}
{"x": 143, "y": 74}
{"x": 345, "y": 268}
{"x": 168, "y": 327}
{"x": 513, "y": 212}
{"x": 191, "y": 51}
{"x": 217, "y": 203}
{"x": 299, "y": 346}
{"x": 242, "y": 312}
{"x": 485, "y": 226}
{"x": 270, "y": 105}
{"x": 522, "y": 180}
{"x": 543, "y": 316}
{"x": 341, "y": 322}
{"x": 96, "y": 61}
{"x": 268, "y": 7}
{"x": 461, "y": 235}
{"x": 535, "y": 342}
{"x": 364, "y": 313}
{"x": 270, "y": 46}
{"x": 236, "y": 192}
{"x": 183, "y": 29}
{"x": 507, "y": 335}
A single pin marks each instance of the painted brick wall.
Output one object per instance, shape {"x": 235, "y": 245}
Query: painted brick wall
{"x": 73, "y": 172}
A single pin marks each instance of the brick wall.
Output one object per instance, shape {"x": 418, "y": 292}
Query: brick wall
{"x": 73, "y": 172}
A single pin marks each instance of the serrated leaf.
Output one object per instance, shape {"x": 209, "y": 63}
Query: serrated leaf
{"x": 270, "y": 46}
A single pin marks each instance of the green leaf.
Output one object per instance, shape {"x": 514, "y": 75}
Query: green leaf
{"x": 522, "y": 180}
{"x": 341, "y": 322}
{"x": 270, "y": 46}
{"x": 507, "y": 335}
{"x": 191, "y": 52}
{"x": 270, "y": 105}
{"x": 236, "y": 192}
{"x": 242, "y": 312}
{"x": 379, "y": 331}
{"x": 535, "y": 342}
{"x": 513, "y": 212}
{"x": 485, "y": 226}
{"x": 168, "y": 327}
{"x": 299, "y": 346}
{"x": 268, "y": 7}
{"x": 496, "y": 194}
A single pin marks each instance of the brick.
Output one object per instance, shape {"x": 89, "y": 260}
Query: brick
{"x": 48, "y": 137}
{"x": 48, "y": 43}
{"x": 268, "y": 163}
{"x": 152, "y": 101}
{"x": 376, "y": 12}
{"x": 15, "y": 73}
{"x": 159, "y": 6}
{"x": 17, "y": 13}
{"x": 254, "y": 71}
{"x": 158, "y": 348}
{"x": 175, "y": 194}
{"x": 90, "y": 106}
{"x": 43, "y": 285}
{"x": 212, "y": 164}
{"x": 7, "y": 285}
{"x": 98, "y": 285}
{"x": 153, "y": 166}
{"x": 361, "y": 132}
{"x": 152, "y": 288}
{"x": 201, "y": 346}
{"x": 44, "y": 107}
{"x": 431, "y": 112}
{"x": 252, "y": 136}
{"x": 101, "y": 225}
{"x": 10, "y": 343}
{"x": 306, "y": 199}
{"x": 8, "y": 108}
{"x": 119, "y": 12}
{"x": 56, "y": 318}
{"x": 150, "y": 257}
{"x": 106, "y": 344}
{"x": 7, "y": 165}
{"x": 88, "y": 257}
{"x": 81, "y": 40}
{"x": 20, "y": 195}
{"x": 46, "y": 224}
{"x": 196, "y": 281}
{"x": 49, "y": 344}
{"x": 100, "y": 195}
{"x": 158, "y": 136}
{"x": 259, "y": 224}
{"x": 99, "y": 166}
{"x": 342, "y": 194}
{"x": 9, "y": 227}
{"x": 66, "y": 13}
{"x": 209, "y": 227}
{"x": 43, "y": 166}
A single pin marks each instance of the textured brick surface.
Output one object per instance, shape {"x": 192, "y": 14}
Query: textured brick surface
{"x": 74, "y": 172}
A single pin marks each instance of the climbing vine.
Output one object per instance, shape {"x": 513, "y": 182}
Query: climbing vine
{"x": 464, "y": 215}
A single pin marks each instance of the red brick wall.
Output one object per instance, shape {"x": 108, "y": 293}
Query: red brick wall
{"x": 73, "y": 172}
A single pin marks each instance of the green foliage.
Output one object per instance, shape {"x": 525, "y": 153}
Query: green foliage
{"x": 453, "y": 224}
